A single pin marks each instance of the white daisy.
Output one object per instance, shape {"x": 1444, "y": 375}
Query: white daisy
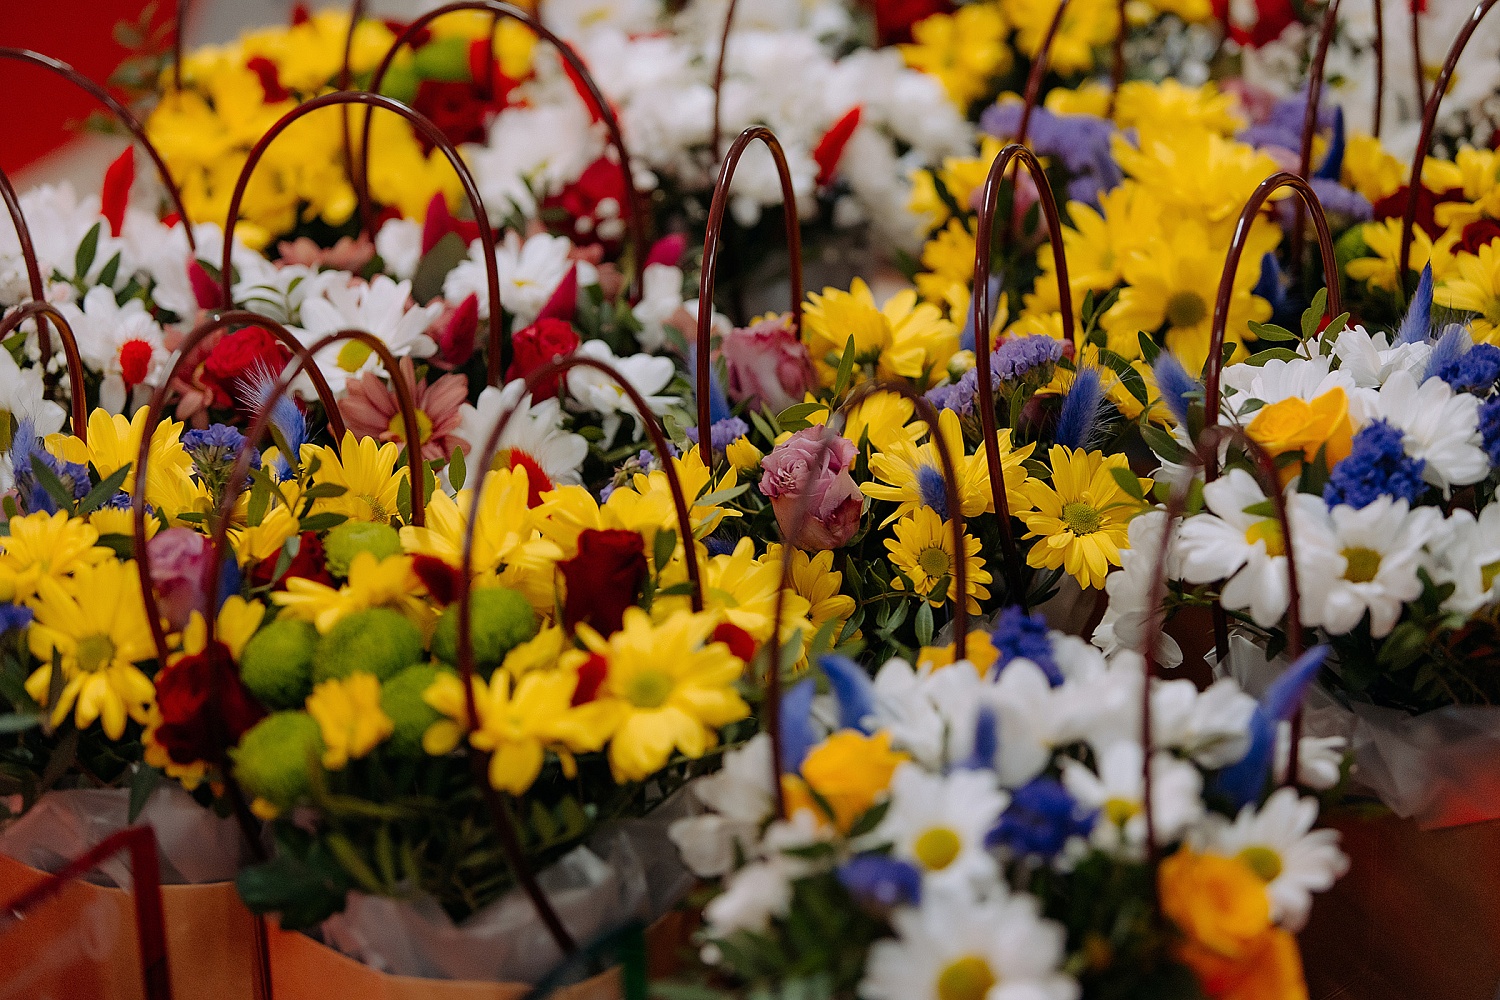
{"x": 1127, "y": 615}
{"x": 22, "y": 398}
{"x": 399, "y": 243}
{"x": 1211, "y": 726}
{"x": 529, "y": 273}
{"x": 534, "y": 151}
{"x": 591, "y": 390}
{"x": 1279, "y": 844}
{"x": 1467, "y": 552}
{"x": 939, "y": 822}
{"x": 752, "y": 896}
{"x": 536, "y": 431}
{"x": 380, "y": 306}
{"x": 1370, "y": 359}
{"x": 1359, "y": 561}
{"x": 1439, "y": 426}
{"x": 1117, "y": 791}
{"x": 740, "y": 798}
{"x": 1304, "y": 378}
{"x": 122, "y": 344}
{"x": 1320, "y": 759}
{"x": 661, "y": 297}
{"x": 956, "y": 947}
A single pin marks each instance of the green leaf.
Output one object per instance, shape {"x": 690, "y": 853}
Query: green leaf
{"x": 349, "y": 859}
{"x": 662, "y": 547}
{"x": 798, "y": 412}
{"x": 445, "y": 255}
{"x": 846, "y": 369}
{"x": 1272, "y": 332}
{"x": 142, "y": 784}
{"x": 869, "y": 819}
{"x": 260, "y": 501}
{"x": 1271, "y": 354}
{"x": 1314, "y": 314}
{"x": 1164, "y": 444}
{"x": 87, "y": 251}
{"x": 322, "y": 490}
{"x": 1129, "y": 483}
{"x": 106, "y": 489}
{"x": 403, "y": 499}
{"x": 322, "y": 522}
{"x": 458, "y": 469}
{"x": 111, "y": 270}
{"x": 1149, "y": 348}
{"x": 719, "y": 497}
{"x": 48, "y": 480}
{"x": 19, "y": 722}
{"x": 1262, "y": 508}
{"x": 924, "y": 621}
{"x": 429, "y": 481}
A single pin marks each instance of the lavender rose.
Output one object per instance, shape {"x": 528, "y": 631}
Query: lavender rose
{"x": 805, "y": 478}
{"x": 766, "y": 365}
{"x": 181, "y": 561}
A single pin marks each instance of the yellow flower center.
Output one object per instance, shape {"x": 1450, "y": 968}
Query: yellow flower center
{"x": 1267, "y": 531}
{"x": 1363, "y": 564}
{"x": 1081, "y": 518}
{"x": 1263, "y": 861}
{"x": 967, "y": 978}
{"x": 936, "y": 848}
{"x": 1487, "y": 574}
{"x": 95, "y": 652}
{"x": 1121, "y": 811}
{"x": 934, "y": 562}
{"x": 353, "y": 354}
{"x": 1186, "y": 309}
{"x": 397, "y": 426}
{"x": 649, "y": 689}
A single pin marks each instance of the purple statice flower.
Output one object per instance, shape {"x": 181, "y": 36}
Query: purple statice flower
{"x": 1019, "y": 356}
{"x": 1017, "y": 635}
{"x": 1474, "y": 371}
{"x": 956, "y": 396}
{"x": 1337, "y": 201}
{"x": 1081, "y": 143}
{"x": 1283, "y": 128}
{"x": 1489, "y": 428}
{"x": 882, "y": 880}
{"x": 722, "y": 433}
{"x": 27, "y": 448}
{"x": 1040, "y": 819}
{"x": 1377, "y": 466}
{"x": 643, "y": 461}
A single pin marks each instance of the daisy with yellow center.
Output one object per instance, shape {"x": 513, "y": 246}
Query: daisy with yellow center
{"x": 372, "y": 583}
{"x": 95, "y": 623}
{"x": 367, "y": 471}
{"x": 964, "y": 50}
{"x": 646, "y": 504}
{"x": 1086, "y": 25}
{"x": 1476, "y": 289}
{"x": 1081, "y": 517}
{"x": 1370, "y": 170}
{"x": 1479, "y": 170}
{"x": 234, "y": 625}
{"x": 903, "y": 338}
{"x": 1378, "y": 268}
{"x": 114, "y": 441}
{"x": 264, "y": 540}
{"x": 349, "y": 713}
{"x": 669, "y": 687}
{"x": 45, "y": 545}
{"x": 922, "y": 550}
{"x": 911, "y": 476}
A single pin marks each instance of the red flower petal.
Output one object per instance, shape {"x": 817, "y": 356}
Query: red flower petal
{"x": 830, "y": 148}
{"x": 591, "y": 674}
{"x": 740, "y": 642}
{"x": 115, "y": 195}
{"x": 270, "y": 79}
{"x": 440, "y": 579}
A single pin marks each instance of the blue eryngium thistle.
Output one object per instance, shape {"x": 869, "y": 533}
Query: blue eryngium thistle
{"x": 1418, "y": 318}
{"x": 1080, "y": 410}
{"x": 1177, "y": 387}
{"x": 258, "y": 385}
{"x": 1243, "y": 782}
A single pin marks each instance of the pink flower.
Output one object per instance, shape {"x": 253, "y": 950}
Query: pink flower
{"x": 766, "y": 365}
{"x": 181, "y": 561}
{"x": 808, "y": 480}
{"x": 370, "y": 409}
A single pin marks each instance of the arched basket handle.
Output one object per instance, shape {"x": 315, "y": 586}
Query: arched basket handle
{"x": 1015, "y": 574}
{"x": 28, "y": 256}
{"x": 433, "y": 134}
{"x": 713, "y": 237}
{"x": 1214, "y": 363}
{"x": 636, "y": 210}
{"x": 717, "y": 131}
{"x": 1038, "y": 70}
{"x": 122, "y": 114}
{"x": 1429, "y": 122}
{"x": 77, "y": 396}
{"x": 504, "y": 824}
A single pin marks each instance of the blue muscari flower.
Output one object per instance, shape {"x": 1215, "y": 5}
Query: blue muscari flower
{"x": 1475, "y": 372}
{"x": 1377, "y": 466}
{"x": 1080, "y": 409}
{"x": 1040, "y": 819}
{"x": 1017, "y": 635}
{"x": 1489, "y": 428}
{"x": 1243, "y": 782}
{"x": 25, "y": 448}
{"x": 882, "y": 880}
{"x": 1418, "y": 318}
{"x": 1176, "y": 385}
{"x": 986, "y": 741}
{"x": 852, "y": 689}
{"x": 14, "y": 616}
{"x": 934, "y": 490}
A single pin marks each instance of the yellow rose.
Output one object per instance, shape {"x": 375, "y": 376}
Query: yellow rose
{"x": 848, "y": 771}
{"x": 1298, "y": 425}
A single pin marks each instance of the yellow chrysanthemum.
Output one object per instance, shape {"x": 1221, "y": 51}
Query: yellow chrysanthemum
{"x": 903, "y": 338}
{"x": 349, "y": 713}
{"x": 960, "y": 176}
{"x": 1379, "y": 270}
{"x": 742, "y": 589}
{"x": 1088, "y": 98}
{"x": 1196, "y": 174}
{"x": 1479, "y": 170}
{"x": 95, "y": 623}
{"x": 1086, "y": 25}
{"x": 1370, "y": 170}
{"x": 670, "y": 689}
{"x": 911, "y": 475}
{"x": 367, "y": 471}
{"x": 964, "y": 50}
{"x": 114, "y": 441}
{"x": 1081, "y": 517}
{"x": 742, "y": 454}
{"x": 1141, "y": 104}
{"x": 922, "y": 549}
{"x": 646, "y": 504}
{"x": 372, "y": 583}
{"x": 1476, "y": 289}
{"x": 45, "y": 545}
{"x": 120, "y": 521}
{"x": 235, "y": 623}
{"x": 264, "y": 540}
{"x": 815, "y": 579}
{"x": 949, "y": 259}
{"x": 979, "y": 651}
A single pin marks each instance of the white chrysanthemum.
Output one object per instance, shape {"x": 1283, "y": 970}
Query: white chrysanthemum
{"x": 1127, "y": 616}
{"x": 1320, "y": 759}
{"x": 592, "y": 390}
{"x": 741, "y": 798}
{"x": 938, "y": 823}
{"x": 399, "y": 243}
{"x": 1117, "y": 791}
{"x": 1438, "y": 426}
{"x": 956, "y": 947}
{"x": 752, "y": 896}
{"x": 58, "y": 220}
{"x": 123, "y": 344}
{"x": 529, "y": 273}
{"x": 1370, "y": 359}
{"x": 1351, "y": 562}
{"x": 1279, "y": 844}
{"x": 1467, "y": 553}
{"x": 1278, "y": 379}
{"x": 536, "y": 430}
{"x": 1211, "y": 726}
{"x": 661, "y": 297}
{"x": 380, "y": 306}
{"x": 22, "y": 398}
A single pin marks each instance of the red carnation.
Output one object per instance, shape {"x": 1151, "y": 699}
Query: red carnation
{"x": 740, "y": 642}
{"x": 307, "y": 564}
{"x": 603, "y": 579}
{"x": 894, "y": 18}
{"x": 238, "y": 354}
{"x": 440, "y": 579}
{"x": 1477, "y": 234}
{"x": 189, "y": 691}
{"x": 270, "y": 79}
{"x": 114, "y": 197}
{"x": 595, "y": 203}
{"x": 1393, "y": 206}
{"x": 459, "y": 108}
{"x": 541, "y": 342}
{"x": 830, "y": 148}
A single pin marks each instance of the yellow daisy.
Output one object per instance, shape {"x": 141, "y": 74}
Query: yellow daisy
{"x": 1476, "y": 289}
{"x": 923, "y": 551}
{"x": 1081, "y": 517}
{"x": 367, "y": 471}
{"x": 964, "y": 50}
{"x": 1383, "y": 238}
{"x": 372, "y": 583}
{"x": 911, "y": 475}
{"x": 1086, "y": 25}
{"x": 903, "y": 338}
{"x": 45, "y": 545}
{"x": 349, "y": 713}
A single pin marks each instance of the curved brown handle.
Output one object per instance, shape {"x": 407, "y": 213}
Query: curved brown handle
{"x": 122, "y": 113}
{"x": 478, "y": 760}
{"x": 717, "y": 131}
{"x": 1429, "y": 122}
{"x": 635, "y": 208}
{"x": 33, "y": 269}
{"x": 1038, "y": 70}
{"x": 712, "y": 238}
{"x": 78, "y": 400}
{"x": 1015, "y": 575}
{"x": 1264, "y": 190}
{"x": 422, "y": 124}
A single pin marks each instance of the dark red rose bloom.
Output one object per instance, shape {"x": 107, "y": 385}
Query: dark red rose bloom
{"x": 536, "y": 345}
{"x": 440, "y": 579}
{"x": 1393, "y": 206}
{"x": 1477, "y": 234}
{"x": 591, "y": 675}
{"x": 595, "y": 204}
{"x": 1271, "y": 19}
{"x": 459, "y": 108}
{"x": 603, "y": 579}
{"x": 205, "y": 707}
{"x": 307, "y": 564}
{"x": 235, "y": 356}
{"x": 740, "y": 642}
{"x": 894, "y": 18}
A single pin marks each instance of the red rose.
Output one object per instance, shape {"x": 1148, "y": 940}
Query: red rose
{"x": 541, "y": 342}
{"x": 238, "y": 354}
{"x": 459, "y": 108}
{"x": 740, "y": 642}
{"x": 187, "y": 694}
{"x": 1477, "y": 234}
{"x": 1393, "y": 206}
{"x": 894, "y": 18}
{"x": 307, "y": 564}
{"x": 595, "y": 204}
{"x": 603, "y": 579}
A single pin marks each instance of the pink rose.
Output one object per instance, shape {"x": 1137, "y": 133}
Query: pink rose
{"x": 801, "y": 482}
{"x": 181, "y": 560}
{"x": 766, "y": 365}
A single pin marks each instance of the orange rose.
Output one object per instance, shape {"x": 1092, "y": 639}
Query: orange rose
{"x": 1304, "y": 426}
{"x": 848, "y": 771}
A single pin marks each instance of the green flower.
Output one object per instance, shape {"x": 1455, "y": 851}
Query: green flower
{"x": 401, "y": 700}
{"x": 501, "y": 620}
{"x": 377, "y": 641}
{"x": 349, "y": 539}
{"x": 273, "y": 758}
{"x": 277, "y": 665}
